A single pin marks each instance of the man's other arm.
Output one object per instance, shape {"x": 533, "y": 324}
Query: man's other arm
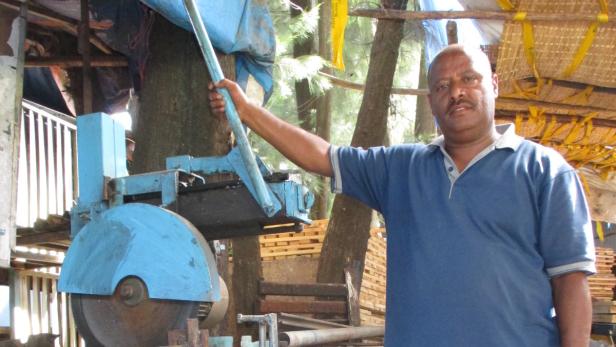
{"x": 306, "y": 150}
{"x": 573, "y": 308}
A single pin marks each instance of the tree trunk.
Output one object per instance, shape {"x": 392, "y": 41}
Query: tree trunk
{"x": 303, "y": 99}
{"x": 348, "y": 232}
{"x": 424, "y": 121}
{"x": 175, "y": 119}
{"x": 320, "y": 209}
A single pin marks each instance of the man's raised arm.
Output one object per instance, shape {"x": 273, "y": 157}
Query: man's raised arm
{"x": 303, "y": 148}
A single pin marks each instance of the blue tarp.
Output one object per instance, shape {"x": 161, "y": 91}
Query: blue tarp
{"x": 243, "y": 27}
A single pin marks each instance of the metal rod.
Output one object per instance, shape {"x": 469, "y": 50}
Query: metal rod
{"x": 262, "y": 334}
{"x": 318, "y": 337}
{"x": 263, "y": 196}
{"x": 272, "y": 321}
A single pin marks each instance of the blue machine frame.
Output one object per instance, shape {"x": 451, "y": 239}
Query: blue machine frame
{"x": 113, "y": 239}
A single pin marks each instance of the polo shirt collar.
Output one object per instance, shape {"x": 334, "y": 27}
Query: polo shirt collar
{"x": 507, "y": 138}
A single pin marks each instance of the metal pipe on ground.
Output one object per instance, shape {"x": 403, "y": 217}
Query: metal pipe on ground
{"x": 318, "y": 337}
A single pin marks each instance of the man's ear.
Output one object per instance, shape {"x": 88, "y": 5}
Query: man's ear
{"x": 495, "y": 84}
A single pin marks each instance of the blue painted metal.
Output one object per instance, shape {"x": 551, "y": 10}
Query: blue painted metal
{"x": 105, "y": 155}
{"x": 102, "y": 156}
{"x": 297, "y": 199}
{"x": 165, "y": 182}
{"x": 231, "y": 163}
{"x": 220, "y": 341}
{"x": 263, "y": 197}
{"x": 160, "y": 247}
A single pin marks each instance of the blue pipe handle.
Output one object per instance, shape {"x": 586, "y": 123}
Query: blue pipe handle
{"x": 263, "y": 196}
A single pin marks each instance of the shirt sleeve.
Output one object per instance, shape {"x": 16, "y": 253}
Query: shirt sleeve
{"x": 566, "y": 236}
{"x": 360, "y": 173}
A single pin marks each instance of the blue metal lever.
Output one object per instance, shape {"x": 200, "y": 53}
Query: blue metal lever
{"x": 263, "y": 196}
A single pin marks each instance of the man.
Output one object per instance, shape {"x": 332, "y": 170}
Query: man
{"x": 487, "y": 233}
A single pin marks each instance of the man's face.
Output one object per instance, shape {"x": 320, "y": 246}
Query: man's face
{"x": 462, "y": 96}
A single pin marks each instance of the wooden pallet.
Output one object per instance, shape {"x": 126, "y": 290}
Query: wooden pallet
{"x": 602, "y": 284}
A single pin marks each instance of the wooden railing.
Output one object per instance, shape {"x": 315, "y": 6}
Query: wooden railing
{"x": 40, "y": 308}
{"x": 47, "y": 176}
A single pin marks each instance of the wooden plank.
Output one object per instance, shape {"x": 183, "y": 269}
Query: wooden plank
{"x": 302, "y": 289}
{"x": 64, "y": 335}
{"x": 307, "y": 306}
{"x": 606, "y": 318}
{"x": 54, "y": 304}
{"x": 32, "y": 171}
{"x": 266, "y": 241}
{"x": 45, "y": 321}
{"x": 52, "y": 208}
{"x": 42, "y": 167}
{"x": 59, "y": 169}
{"x": 471, "y": 14}
{"x": 35, "y": 312}
{"x": 44, "y": 237}
{"x": 75, "y": 62}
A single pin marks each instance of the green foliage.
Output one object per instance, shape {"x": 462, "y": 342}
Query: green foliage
{"x": 345, "y": 102}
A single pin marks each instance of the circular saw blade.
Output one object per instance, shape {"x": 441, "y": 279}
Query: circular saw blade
{"x": 118, "y": 321}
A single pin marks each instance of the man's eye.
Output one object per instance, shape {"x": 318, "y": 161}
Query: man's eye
{"x": 441, "y": 87}
{"x": 469, "y": 79}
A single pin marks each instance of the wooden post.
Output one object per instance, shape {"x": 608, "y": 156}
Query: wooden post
{"x": 12, "y": 36}
{"x": 452, "y": 32}
{"x": 84, "y": 47}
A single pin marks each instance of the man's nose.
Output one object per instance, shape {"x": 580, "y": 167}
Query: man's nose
{"x": 456, "y": 90}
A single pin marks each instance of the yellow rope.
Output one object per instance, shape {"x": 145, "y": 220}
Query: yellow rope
{"x": 549, "y": 131}
{"x": 518, "y": 123}
{"x": 340, "y": 9}
{"x": 580, "y": 98}
{"x": 579, "y": 56}
{"x": 506, "y": 5}
{"x": 599, "y": 229}
{"x": 586, "y": 124}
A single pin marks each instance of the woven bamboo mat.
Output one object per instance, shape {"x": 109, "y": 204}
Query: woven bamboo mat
{"x": 574, "y": 113}
{"x": 555, "y": 44}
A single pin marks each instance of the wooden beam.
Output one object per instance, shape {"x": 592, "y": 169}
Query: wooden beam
{"x": 84, "y": 49}
{"x": 47, "y": 259}
{"x": 71, "y": 62}
{"x": 302, "y": 289}
{"x": 12, "y": 37}
{"x": 44, "y": 237}
{"x": 357, "y": 86}
{"x": 561, "y": 118}
{"x": 65, "y": 23}
{"x": 491, "y": 15}
{"x": 513, "y": 104}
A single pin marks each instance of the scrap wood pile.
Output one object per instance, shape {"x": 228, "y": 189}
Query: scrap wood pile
{"x": 602, "y": 283}
{"x": 308, "y": 243}
{"x": 288, "y": 245}
{"x": 372, "y": 295}
{"x": 557, "y": 80}
{"x": 602, "y": 286}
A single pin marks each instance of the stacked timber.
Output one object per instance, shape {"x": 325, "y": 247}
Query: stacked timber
{"x": 602, "y": 284}
{"x": 372, "y": 294}
{"x": 306, "y": 243}
{"x": 604, "y": 311}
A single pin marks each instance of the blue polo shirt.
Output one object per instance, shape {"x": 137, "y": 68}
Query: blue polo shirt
{"x": 471, "y": 254}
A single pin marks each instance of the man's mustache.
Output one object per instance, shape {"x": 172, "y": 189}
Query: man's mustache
{"x": 459, "y": 102}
